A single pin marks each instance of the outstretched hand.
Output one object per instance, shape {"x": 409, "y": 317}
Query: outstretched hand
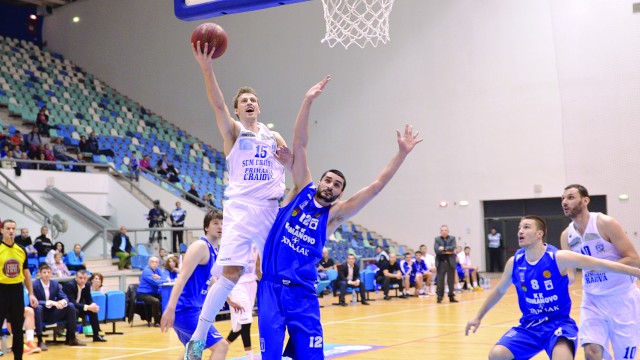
{"x": 202, "y": 57}
{"x": 473, "y": 323}
{"x": 317, "y": 88}
{"x": 407, "y": 140}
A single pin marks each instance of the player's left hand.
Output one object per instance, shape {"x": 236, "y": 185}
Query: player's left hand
{"x": 284, "y": 156}
{"x": 407, "y": 140}
{"x": 473, "y": 323}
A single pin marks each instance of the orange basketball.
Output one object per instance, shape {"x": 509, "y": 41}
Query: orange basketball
{"x": 212, "y": 34}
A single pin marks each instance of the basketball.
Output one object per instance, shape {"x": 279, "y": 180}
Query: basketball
{"x": 214, "y": 35}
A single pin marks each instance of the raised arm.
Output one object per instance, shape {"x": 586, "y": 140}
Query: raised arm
{"x": 348, "y": 208}
{"x": 228, "y": 127}
{"x": 569, "y": 259}
{"x": 300, "y": 170}
{"x": 493, "y": 298}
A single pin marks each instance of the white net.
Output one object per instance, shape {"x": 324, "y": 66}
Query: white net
{"x": 359, "y": 22}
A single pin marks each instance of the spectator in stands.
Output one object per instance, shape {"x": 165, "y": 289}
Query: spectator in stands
{"x": 42, "y": 120}
{"x": 80, "y": 168}
{"x": 4, "y": 151}
{"x": 43, "y": 157}
{"x": 24, "y": 240}
{"x": 59, "y": 267}
{"x": 149, "y": 289}
{"x": 349, "y": 275}
{"x": 381, "y": 255}
{"x": 79, "y": 294}
{"x": 134, "y": 166}
{"x": 156, "y": 218}
{"x": 8, "y": 162}
{"x": 16, "y": 139}
{"x": 94, "y": 146}
{"x": 60, "y": 151}
{"x": 171, "y": 267}
{"x": 46, "y": 149}
{"x": 444, "y": 246}
{"x": 421, "y": 275}
{"x": 75, "y": 258}
{"x": 178, "y": 215}
{"x": 42, "y": 243}
{"x": 325, "y": 264}
{"x": 163, "y": 256}
{"x": 162, "y": 166}
{"x": 145, "y": 163}
{"x": 32, "y": 141}
{"x": 390, "y": 274}
{"x": 208, "y": 199}
{"x": 17, "y": 152}
{"x": 466, "y": 270}
{"x": 96, "y": 279}
{"x": 25, "y": 165}
{"x": 173, "y": 174}
{"x": 406, "y": 268}
{"x": 194, "y": 195}
{"x": 53, "y": 307}
{"x": 122, "y": 249}
{"x": 83, "y": 145}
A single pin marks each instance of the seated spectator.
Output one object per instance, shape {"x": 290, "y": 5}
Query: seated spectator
{"x": 45, "y": 163}
{"x": 80, "y": 168}
{"x": 349, "y": 275}
{"x": 94, "y": 147}
{"x": 59, "y": 268}
{"x": 208, "y": 199}
{"x": 163, "y": 256}
{"x": 325, "y": 264}
{"x": 171, "y": 267}
{"x": 96, "y": 279}
{"x": 122, "y": 249}
{"x": 24, "y": 240}
{"x": 421, "y": 275}
{"x": 4, "y": 151}
{"x": 466, "y": 270}
{"x": 53, "y": 307}
{"x": 145, "y": 163}
{"x": 42, "y": 121}
{"x": 23, "y": 164}
{"x": 83, "y": 146}
{"x": 173, "y": 174}
{"x": 79, "y": 294}
{"x": 16, "y": 139}
{"x": 75, "y": 258}
{"x": 194, "y": 195}
{"x": 60, "y": 151}
{"x": 134, "y": 167}
{"x": 381, "y": 254}
{"x": 46, "y": 149}
{"x": 406, "y": 267}
{"x": 7, "y": 161}
{"x": 389, "y": 274}
{"x": 17, "y": 152}
{"x": 32, "y": 140}
{"x": 149, "y": 289}
{"x": 162, "y": 166}
{"x": 42, "y": 243}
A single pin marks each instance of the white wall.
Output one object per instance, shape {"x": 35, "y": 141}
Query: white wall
{"x": 507, "y": 95}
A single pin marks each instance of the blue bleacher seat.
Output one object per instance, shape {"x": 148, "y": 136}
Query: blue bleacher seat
{"x": 101, "y": 300}
{"x": 115, "y": 308}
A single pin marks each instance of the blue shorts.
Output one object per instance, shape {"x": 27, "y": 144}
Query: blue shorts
{"x": 525, "y": 343}
{"x": 185, "y": 325}
{"x": 461, "y": 271}
{"x": 296, "y": 309}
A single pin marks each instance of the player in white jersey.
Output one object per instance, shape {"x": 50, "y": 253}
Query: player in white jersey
{"x": 244, "y": 294}
{"x": 610, "y": 306}
{"x": 256, "y": 182}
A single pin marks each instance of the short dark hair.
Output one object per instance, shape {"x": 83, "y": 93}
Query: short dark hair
{"x": 418, "y": 252}
{"x": 405, "y": 254}
{"x": 540, "y": 224}
{"x": 44, "y": 266}
{"x": 379, "y": 247}
{"x": 351, "y": 255}
{"x": 467, "y": 247}
{"x": 581, "y": 189}
{"x": 81, "y": 271}
{"x": 339, "y": 173}
{"x": 8, "y": 221}
{"x": 211, "y": 215}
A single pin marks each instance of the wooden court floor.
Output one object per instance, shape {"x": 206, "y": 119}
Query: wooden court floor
{"x": 417, "y": 328}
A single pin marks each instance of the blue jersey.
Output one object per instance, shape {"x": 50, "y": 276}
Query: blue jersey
{"x": 295, "y": 242}
{"x": 419, "y": 267}
{"x": 195, "y": 290}
{"x": 543, "y": 293}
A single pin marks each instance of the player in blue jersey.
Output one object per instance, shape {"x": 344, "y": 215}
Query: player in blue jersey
{"x": 190, "y": 288}
{"x": 539, "y": 273}
{"x": 309, "y": 214}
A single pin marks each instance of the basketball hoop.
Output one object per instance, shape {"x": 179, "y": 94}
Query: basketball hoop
{"x": 357, "y": 22}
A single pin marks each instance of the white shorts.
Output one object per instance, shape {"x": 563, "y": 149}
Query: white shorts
{"x": 611, "y": 319}
{"x": 245, "y": 220}
{"x": 243, "y": 294}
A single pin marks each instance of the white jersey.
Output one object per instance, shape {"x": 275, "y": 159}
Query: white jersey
{"x": 592, "y": 244}
{"x": 430, "y": 260}
{"x": 253, "y": 170}
{"x": 249, "y": 274}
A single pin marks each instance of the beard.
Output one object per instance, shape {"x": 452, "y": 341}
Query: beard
{"x": 574, "y": 212}
{"x": 328, "y": 199}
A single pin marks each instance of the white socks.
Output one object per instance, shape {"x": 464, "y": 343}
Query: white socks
{"x": 216, "y": 297}
{"x": 249, "y": 354}
{"x": 29, "y": 335}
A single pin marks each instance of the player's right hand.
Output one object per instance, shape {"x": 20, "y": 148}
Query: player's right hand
{"x": 201, "y": 56}
{"x": 473, "y": 323}
{"x": 168, "y": 317}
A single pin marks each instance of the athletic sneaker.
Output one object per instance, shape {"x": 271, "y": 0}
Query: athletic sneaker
{"x": 31, "y": 347}
{"x": 194, "y": 349}
{"x": 478, "y": 288}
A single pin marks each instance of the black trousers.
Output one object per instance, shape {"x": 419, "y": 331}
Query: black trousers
{"x": 51, "y": 315}
{"x": 446, "y": 265}
{"x": 386, "y": 283}
{"x": 495, "y": 259}
{"x": 12, "y": 309}
{"x": 93, "y": 319}
{"x": 153, "y": 300}
{"x": 177, "y": 240}
{"x": 343, "y": 290}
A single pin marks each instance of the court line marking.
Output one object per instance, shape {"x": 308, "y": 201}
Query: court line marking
{"x": 142, "y": 353}
{"x": 425, "y": 324}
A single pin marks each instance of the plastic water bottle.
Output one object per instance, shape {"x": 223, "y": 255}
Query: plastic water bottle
{"x": 353, "y": 297}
